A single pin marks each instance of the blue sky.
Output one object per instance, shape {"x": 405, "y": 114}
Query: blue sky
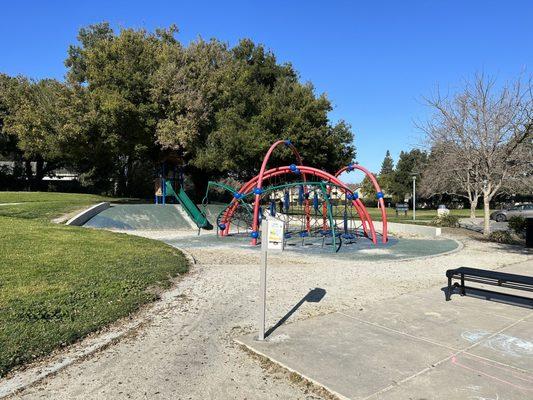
{"x": 374, "y": 59}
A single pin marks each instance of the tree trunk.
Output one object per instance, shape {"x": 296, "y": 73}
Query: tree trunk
{"x": 128, "y": 177}
{"x": 39, "y": 174}
{"x": 199, "y": 180}
{"x": 28, "y": 172}
{"x": 473, "y": 206}
{"x": 121, "y": 178}
{"x": 486, "y": 215}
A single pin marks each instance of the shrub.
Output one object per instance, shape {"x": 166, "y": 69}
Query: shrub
{"x": 501, "y": 237}
{"x": 448, "y": 220}
{"x": 517, "y": 224}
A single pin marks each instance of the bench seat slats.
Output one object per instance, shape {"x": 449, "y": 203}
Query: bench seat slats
{"x": 502, "y": 276}
{"x": 496, "y": 278}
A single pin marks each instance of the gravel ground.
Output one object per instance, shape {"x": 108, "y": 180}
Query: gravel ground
{"x": 187, "y": 350}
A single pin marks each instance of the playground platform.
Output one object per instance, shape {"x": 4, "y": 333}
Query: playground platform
{"x": 394, "y": 250}
{"x": 415, "y": 346}
{"x": 141, "y": 216}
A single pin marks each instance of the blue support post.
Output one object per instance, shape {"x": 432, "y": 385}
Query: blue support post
{"x": 163, "y": 191}
{"x": 315, "y": 202}
{"x": 273, "y": 208}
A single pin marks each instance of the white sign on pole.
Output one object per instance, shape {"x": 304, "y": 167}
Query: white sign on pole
{"x": 272, "y": 235}
{"x": 276, "y": 231}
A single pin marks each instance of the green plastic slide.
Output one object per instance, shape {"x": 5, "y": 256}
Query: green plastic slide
{"x": 192, "y": 210}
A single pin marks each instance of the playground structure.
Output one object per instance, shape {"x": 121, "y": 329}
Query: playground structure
{"x": 316, "y": 206}
{"x": 169, "y": 183}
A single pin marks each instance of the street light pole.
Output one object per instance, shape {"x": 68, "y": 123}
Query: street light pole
{"x": 414, "y": 197}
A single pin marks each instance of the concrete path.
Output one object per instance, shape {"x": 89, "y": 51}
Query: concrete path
{"x": 476, "y": 224}
{"x": 416, "y": 346}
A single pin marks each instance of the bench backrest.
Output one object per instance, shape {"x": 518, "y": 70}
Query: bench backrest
{"x": 483, "y": 273}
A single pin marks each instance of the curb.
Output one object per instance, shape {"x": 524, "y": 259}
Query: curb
{"x": 86, "y": 215}
{"x": 287, "y": 368}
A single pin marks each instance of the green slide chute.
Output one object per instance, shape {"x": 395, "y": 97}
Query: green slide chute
{"x": 192, "y": 210}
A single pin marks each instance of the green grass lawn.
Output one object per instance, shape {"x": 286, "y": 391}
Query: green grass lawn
{"x": 45, "y": 206}
{"x": 59, "y": 283}
{"x": 422, "y": 216}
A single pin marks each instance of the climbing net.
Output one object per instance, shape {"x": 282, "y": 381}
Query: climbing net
{"x": 316, "y": 207}
{"x": 314, "y": 213}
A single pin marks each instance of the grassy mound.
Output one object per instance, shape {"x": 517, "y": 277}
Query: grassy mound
{"x": 59, "y": 283}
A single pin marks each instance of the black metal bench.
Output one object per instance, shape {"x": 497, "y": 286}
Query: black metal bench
{"x": 495, "y": 278}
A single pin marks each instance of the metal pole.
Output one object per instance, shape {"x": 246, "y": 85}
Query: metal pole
{"x": 262, "y": 280}
{"x": 414, "y": 198}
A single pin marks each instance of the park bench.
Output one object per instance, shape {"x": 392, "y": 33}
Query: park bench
{"x": 402, "y": 207}
{"x": 495, "y": 278}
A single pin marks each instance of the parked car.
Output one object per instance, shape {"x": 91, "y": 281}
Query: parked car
{"x": 522, "y": 210}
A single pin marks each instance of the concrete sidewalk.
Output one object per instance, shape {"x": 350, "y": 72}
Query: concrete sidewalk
{"x": 416, "y": 346}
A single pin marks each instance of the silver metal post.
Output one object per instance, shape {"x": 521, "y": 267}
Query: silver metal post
{"x": 414, "y": 198}
{"x": 262, "y": 279}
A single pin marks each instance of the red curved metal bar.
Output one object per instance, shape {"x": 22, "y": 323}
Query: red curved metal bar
{"x": 247, "y": 187}
{"x": 378, "y": 190}
{"x": 361, "y": 210}
{"x": 339, "y": 183}
{"x": 255, "y": 222}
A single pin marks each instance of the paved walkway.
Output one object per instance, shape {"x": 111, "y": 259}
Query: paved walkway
{"x": 416, "y": 346}
{"x": 476, "y": 224}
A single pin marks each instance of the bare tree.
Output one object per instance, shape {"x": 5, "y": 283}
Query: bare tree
{"x": 446, "y": 173}
{"x": 481, "y": 139}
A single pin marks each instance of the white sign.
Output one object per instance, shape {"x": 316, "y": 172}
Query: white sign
{"x": 276, "y": 231}
{"x": 272, "y": 235}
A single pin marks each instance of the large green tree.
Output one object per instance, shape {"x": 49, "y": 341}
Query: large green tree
{"x": 386, "y": 174}
{"x": 39, "y": 122}
{"x": 409, "y": 163}
{"x": 132, "y": 97}
{"x": 385, "y": 178}
{"x": 113, "y": 74}
{"x": 224, "y": 107}
{"x": 7, "y": 140}
{"x": 387, "y": 166}
{"x": 9, "y": 150}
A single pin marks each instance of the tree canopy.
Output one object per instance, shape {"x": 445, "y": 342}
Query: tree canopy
{"x": 409, "y": 163}
{"x": 132, "y": 97}
{"x": 387, "y": 166}
{"x": 397, "y": 182}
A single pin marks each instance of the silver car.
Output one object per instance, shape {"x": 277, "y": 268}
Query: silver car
{"x": 523, "y": 210}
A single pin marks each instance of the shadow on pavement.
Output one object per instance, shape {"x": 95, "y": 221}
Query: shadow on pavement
{"x": 314, "y": 296}
{"x": 498, "y": 297}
